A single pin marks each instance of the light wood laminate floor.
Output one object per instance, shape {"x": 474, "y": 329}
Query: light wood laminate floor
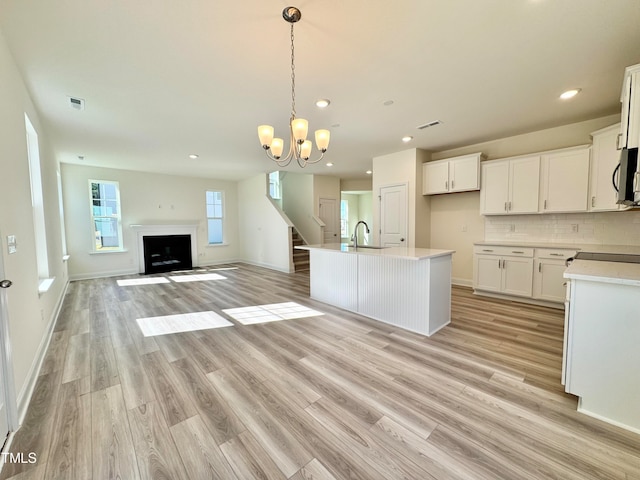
{"x": 332, "y": 396}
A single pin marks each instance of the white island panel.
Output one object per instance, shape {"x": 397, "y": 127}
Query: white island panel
{"x": 412, "y": 295}
{"x": 603, "y": 354}
{"x": 410, "y": 288}
{"x": 334, "y": 278}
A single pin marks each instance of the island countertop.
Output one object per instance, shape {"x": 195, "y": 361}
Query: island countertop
{"x": 396, "y": 252}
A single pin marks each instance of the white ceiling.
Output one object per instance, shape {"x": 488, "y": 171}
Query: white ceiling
{"x": 163, "y": 79}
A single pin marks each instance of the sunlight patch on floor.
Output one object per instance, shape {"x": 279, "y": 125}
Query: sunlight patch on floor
{"x": 184, "y": 322}
{"x": 204, "y": 277}
{"x": 270, "y": 313}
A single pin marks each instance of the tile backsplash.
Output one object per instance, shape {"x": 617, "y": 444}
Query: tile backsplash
{"x": 607, "y": 228}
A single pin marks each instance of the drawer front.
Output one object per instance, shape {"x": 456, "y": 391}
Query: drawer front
{"x": 502, "y": 250}
{"x": 554, "y": 253}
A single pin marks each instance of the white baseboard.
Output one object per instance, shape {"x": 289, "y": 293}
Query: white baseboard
{"x": 271, "y": 267}
{"x": 24, "y": 396}
{"x": 463, "y": 282}
{"x": 113, "y": 273}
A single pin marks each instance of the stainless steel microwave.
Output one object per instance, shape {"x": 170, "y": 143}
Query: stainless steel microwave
{"x": 628, "y": 178}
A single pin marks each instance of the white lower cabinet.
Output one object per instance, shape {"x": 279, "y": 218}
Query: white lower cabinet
{"x": 504, "y": 270}
{"x": 549, "y": 266}
{"x": 534, "y": 273}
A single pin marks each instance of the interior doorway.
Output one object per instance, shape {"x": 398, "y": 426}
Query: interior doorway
{"x": 356, "y": 205}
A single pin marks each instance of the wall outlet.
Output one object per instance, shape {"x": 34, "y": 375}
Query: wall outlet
{"x": 574, "y": 227}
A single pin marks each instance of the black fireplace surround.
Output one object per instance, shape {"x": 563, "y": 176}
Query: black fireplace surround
{"x": 167, "y": 253}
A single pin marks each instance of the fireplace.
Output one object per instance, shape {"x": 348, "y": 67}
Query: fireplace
{"x": 166, "y": 253}
{"x": 147, "y": 233}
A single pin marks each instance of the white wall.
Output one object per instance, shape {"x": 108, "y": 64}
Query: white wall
{"x": 146, "y": 198}
{"x": 30, "y": 315}
{"x": 397, "y": 168}
{"x": 297, "y": 204}
{"x": 451, "y": 213}
{"x": 264, "y": 233}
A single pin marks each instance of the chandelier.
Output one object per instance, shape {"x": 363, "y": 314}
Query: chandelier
{"x": 299, "y": 147}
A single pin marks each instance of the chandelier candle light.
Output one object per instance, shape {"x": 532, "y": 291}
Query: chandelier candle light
{"x": 299, "y": 147}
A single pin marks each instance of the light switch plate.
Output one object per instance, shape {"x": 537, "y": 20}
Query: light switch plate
{"x": 12, "y": 246}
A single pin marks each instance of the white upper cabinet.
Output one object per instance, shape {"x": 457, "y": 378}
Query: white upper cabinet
{"x": 510, "y": 186}
{"x": 604, "y": 159}
{"x": 630, "y": 99}
{"x": 458, "y": 174}
{"x": 564, "y": 181}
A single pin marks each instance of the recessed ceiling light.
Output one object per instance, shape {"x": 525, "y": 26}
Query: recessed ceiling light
{"x": 335, "y": 125}
{"x": 570, "y": 93}
{"x": 329, "y": 164}
{"x": 388, "y": 103}
{"x": 193, "y": 156}
{"x": 368, "y": 172}
{"x": 322, "y": 103}
{"x": 80, "y": 157}
{"x": 407, "y": 138}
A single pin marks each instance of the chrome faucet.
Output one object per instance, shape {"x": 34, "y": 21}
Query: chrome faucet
{"x": 354, "y": 238}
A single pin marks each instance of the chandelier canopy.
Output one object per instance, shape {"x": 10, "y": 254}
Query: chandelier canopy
{"x": 299, "y": 147}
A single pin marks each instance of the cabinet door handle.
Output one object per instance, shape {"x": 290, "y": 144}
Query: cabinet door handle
{"x": 540, "y": 267}
{"x": 557, "y": 254}
{"x": 499, "y": 261}
{"x": 505, "y": 206}
{"x": 486, "y": 250}
{"x": 509, "y": 205}
{"x": 545, "y": 204}
{"x": 593, "y": 201}
{"x": 452, "y": 183}
{"x": 516, "y": 251}
{"x": 618, "y": 141}
{"x": 446, "y": 184}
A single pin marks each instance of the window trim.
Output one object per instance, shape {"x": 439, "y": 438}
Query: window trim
{"x": 222, "y": 218}
{"x": 92, "y": 218}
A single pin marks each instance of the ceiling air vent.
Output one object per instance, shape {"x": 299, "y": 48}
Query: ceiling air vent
{"x": 77, "y": 103}
{"x": 430, "y": 124}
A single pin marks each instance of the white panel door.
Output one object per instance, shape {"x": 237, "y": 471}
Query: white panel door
{"x": 328, "y": 213}
{"x": 393, "y": 215}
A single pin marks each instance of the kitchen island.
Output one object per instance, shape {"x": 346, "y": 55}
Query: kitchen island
{"x": 406, "y": 287}
{"x": 601, "y": 362}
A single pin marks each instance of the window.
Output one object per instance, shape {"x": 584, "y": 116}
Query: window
{"x": 215, "y": 217}
{"x": 274, "y": 185}
{"x": 105, "y": 216}
{"x": 37, "y": 200}
{"x": 344, "y": 218}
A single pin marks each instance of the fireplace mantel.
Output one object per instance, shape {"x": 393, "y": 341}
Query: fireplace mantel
{"x": 149, "y": 230}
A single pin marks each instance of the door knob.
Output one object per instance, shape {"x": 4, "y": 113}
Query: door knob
{"x": 5, "y": 283}
{"x": 402, "y": 239}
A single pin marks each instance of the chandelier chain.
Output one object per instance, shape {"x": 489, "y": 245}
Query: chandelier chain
{"x": 293, "y": 77}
